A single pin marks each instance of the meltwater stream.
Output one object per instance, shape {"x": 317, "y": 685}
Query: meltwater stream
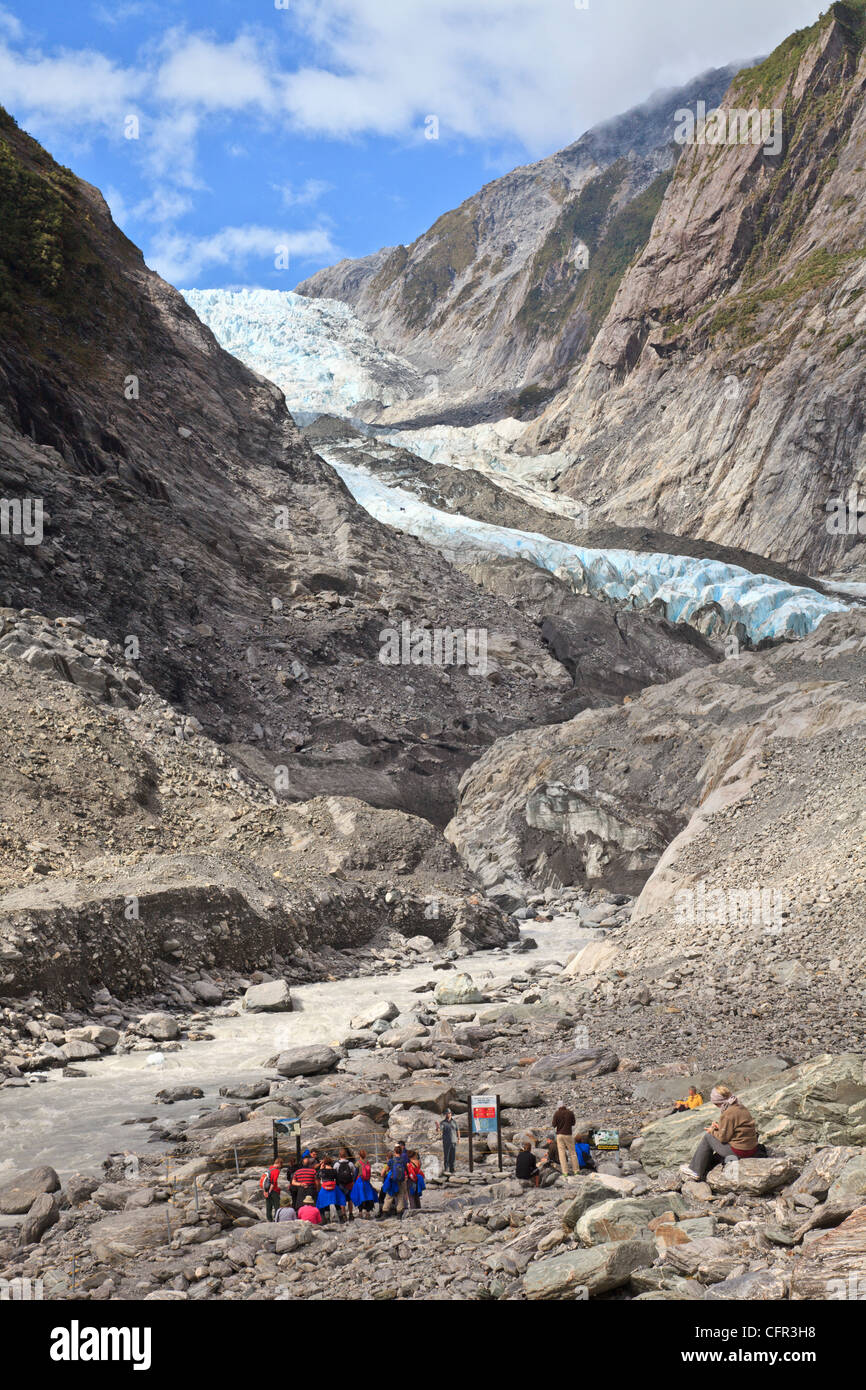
{"x": 73, "y": 1123}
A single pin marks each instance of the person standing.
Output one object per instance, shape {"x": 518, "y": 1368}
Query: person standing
{"x": 363, "y": 1195}
{"x": 450, "y": 1133}
{"x": 396, "y": 1182}
{"x": 270, "y": 1185}
{"x": 563, "y": 1124}
{"x": 347, "y": 1172}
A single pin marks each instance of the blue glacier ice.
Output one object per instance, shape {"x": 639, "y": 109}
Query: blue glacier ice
{"x": 684, "y": 587}
{"x": 317, "y": 351}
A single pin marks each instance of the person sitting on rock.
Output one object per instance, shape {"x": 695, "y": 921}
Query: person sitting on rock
{"x": 693, "y": 1101}
{"x": 309, "y": 1211}
{"x": 733, "y": 1135}
{"x": 526, "y": 1165}
{"x": 331, "y": 1197}
{"x": 363, "y": 1194}
{"x": 286, "y": 1213}
{"x": 583, "y": 1151}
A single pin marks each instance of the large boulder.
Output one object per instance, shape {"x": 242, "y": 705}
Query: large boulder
{"x": 851, "y": 1182}
{"x": 43, "y": 1213}
{"x": 515, "y": 1095}
{"x": 382, "y": 1011}
{"x": 128, "y": 1233}
{"x": 756, "y": 1176}
{"x": 158, "y": 1025}
{"x": 592, "y": 959}
{"x": 587, "y": 1273}
{"x": 342, "y": 1105}
{"x": 834, "y": 1265}
{"x": 459, "y": 990}
{"x": 307, "y": 1061}
{"x": 592, "y": 1189}
{"x": 273, "y": 997}
{"x": 426, "y": 1095}
{"x": 567, "y": 1066}
{"x": 821, "y": 1101}
{"x": 764, "y": 1285}
{"x": 19, "y": 1195}
{"x": 625, "y": 1218}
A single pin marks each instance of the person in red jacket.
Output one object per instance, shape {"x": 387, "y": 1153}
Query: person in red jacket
{"x": 310, "y": 1212}
{"x": 271, "y": 1187}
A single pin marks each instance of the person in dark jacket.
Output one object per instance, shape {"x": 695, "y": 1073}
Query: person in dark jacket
{"x": 526, "y": 1165}
{"x": 449, "y": 1132}
{"x": 563, "y": 1124}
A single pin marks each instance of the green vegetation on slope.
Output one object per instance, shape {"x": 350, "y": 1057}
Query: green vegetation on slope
{"x": 46, "y": 264}
{"x": 762, "y": 84}
{"x": 427, "y": 282}
{"x": 559, "y": 288}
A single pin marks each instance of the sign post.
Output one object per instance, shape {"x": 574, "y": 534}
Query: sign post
{"x": 484, "y": 1119}
{"x": 290, "y": 1124}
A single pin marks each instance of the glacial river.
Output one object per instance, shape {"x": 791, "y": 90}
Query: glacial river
{"x": 73, "y": 1123}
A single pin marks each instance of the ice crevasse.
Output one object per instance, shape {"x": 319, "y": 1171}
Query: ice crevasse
{"x": 712, "y": 596}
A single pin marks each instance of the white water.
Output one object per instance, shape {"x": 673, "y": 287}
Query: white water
{"x": 72, "y": 1124}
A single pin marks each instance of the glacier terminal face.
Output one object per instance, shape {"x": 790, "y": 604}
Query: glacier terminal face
{"x": 319, "y": 354}
{"x": 710, "y": 595}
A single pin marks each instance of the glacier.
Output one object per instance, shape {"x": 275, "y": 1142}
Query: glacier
{"x": 710, "y": 595}
{"x": 316, "y": 350}
{"x": 326, "y": 361}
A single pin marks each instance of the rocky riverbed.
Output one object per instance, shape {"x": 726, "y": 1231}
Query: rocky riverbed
{"x": 187, "y": 1222}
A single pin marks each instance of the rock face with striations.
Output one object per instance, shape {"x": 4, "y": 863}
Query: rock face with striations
{"x": 503, "y": 292}
{"x": 723, "y": 394}
{"x": 187, "y": 521}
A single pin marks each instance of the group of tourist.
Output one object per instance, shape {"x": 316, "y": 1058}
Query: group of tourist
{"x": 733, "y": 1136}
{"x": 323, "y": 1189}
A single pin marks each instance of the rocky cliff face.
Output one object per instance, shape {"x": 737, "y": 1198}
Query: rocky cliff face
{"x": 187, "y": 521}
{"x": 502, "y": 294}
{"x": 723, "y": 396}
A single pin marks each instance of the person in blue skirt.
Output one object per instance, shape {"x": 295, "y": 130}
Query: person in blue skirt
{"x": 330, "y": 1196}
{"x": 363, "y": 1195}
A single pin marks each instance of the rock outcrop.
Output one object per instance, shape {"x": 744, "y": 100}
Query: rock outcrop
{"x": 722, "y": 397}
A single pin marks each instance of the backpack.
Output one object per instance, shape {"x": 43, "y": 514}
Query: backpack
{"x": 345, "y": 1172}
{"x": 397, "y": 1165}
{"x": 266, "y": 1183}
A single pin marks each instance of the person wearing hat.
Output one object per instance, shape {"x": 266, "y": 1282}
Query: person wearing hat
{"x": 305, "y": 1179}
{"x": 308, "y": 1211}
{"x": 733, "y": 1135}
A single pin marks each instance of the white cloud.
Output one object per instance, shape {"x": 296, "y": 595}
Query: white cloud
{"x": 211, "y": 76}
{"x": 81, "y": 87}
{"x": 180, "y": 257}
{"x": 309, "y": 192}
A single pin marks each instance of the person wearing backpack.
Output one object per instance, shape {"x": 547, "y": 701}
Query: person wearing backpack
{"x": 397, "y": 1198}
{"x": 270, "y": 1185}
{"x": 363, "y": 1194}
{"x": 330, "y": 1198}
{"x": 347, "y": 1172}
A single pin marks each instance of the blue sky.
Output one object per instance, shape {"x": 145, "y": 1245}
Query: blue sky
{"x": 261, "y": 125}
